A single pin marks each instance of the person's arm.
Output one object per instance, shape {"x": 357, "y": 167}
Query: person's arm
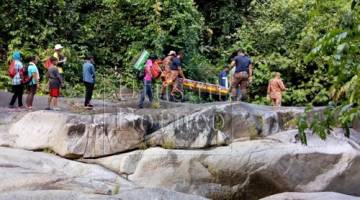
{"x": 181, "y": 72}
{"x": 232, "y": 64}
{"x": 269, "y": 88}
{"x": 93, "y": 71}
{"x": 251, "y": 72}
{"x": 281, "y": 85}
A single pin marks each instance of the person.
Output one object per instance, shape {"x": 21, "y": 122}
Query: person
{"x": 176, "y": 71}
{"x": 17, "y": 86}
{"x": 242, "y": 76}
{"x": 223, "y": 80}
{"x": 275, "y": 89}
{"x": 166, "y": 73}
{"x": 147, "y": 84}
{"x": 33, "y": 73}
{"x": 55, "y": 82}
{"x": 61, "y": 58}
{"x": 89, "y": 79}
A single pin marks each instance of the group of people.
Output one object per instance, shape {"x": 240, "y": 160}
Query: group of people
{"x": 240, "y": 72}
{"x": 170, "y": 71}
{"x": 26, "y": 76}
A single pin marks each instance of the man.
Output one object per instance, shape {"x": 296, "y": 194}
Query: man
{"x": 17, "y": 87}
{"x": 166, "y": 73}
{"x": 89, "y": 79}
{"x": 55, "y": 82}
{"x": 275, "y": 89}
{"x": 176, "y": 71}
{"x": 33, "y": 73}
{"x": 147, "y": 81}
{"x": 61, "y": 58}
{"x": 242, "y": 76}
{"x": 223, "y": 80}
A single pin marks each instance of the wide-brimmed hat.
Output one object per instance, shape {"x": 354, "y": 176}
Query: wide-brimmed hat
{"x": 58, "y": 46}
{"x": 172, "y": 53}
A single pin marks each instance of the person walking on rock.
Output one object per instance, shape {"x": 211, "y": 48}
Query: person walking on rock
{"x": 275, "y": 89}
{"x": 147, "y": 84}
{"x": 89, "y": 79}
{"x": 242, "y": 76}
{"x": 33, "y": 73}
{"x": 60, "y": 56}
{"x": 166, "y": 73}
{"x": 176, "y": 72}
{"x": 55, "y": 82}
{"x": 17, "y": 87}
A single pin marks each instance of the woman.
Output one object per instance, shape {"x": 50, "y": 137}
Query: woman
{"x": 147, "y": 89}
{"x": 17, "y": 86}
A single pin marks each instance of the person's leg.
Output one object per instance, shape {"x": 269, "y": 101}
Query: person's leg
{"x": 87, "y": 93}
{"x": 30, "y": 96}
{"x": 91, "y": 91}
{"x": 49, "y": 102}
{"x": 142, "y": 96}
{"x": 234, "y": 86}
{"x": 149, "y": 91}
{"x": 55, "y": 99}
{"x": 15, "y": 94}
{"x": 278, "y": 101}
{"x": 243, "y": 87}
{"x": 20, "y": 95}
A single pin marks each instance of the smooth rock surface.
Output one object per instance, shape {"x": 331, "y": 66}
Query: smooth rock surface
{"x": 250, "y": 169}
{"x": 74, "y": 135}
{"x": 311, "y": 196}
{"x": 219, "y": 124}
{"x": 133, "y": 194}
{"x": 25, "y": 170}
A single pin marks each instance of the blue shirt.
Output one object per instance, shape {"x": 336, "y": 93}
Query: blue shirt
{"x": 88, "y": 72}
{"x": 223, "y": 78}
{"x": 176, "y": 64}
{"x": 32, "y": 69}
{"x": 242, "y": 63}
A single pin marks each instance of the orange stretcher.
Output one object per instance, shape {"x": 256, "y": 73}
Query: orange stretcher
{"x": 205, "y": 87}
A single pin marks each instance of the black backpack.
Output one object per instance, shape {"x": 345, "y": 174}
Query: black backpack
{"x": 140, "y": 75}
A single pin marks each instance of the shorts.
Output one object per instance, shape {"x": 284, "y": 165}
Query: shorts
{"x": 54, "y": 92}
{"x": 242, "y": 79}
{"x": 32, "y": 89}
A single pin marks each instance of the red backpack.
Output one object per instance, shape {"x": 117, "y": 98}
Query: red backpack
{"x": 155, "y": 70}
{"x": 12, "y": 70}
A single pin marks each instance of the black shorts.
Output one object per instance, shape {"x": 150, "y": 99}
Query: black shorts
{"x": 32, "y": 89}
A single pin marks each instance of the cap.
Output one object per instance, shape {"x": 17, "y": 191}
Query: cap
{"x": 58, "y": 46}
{"x": 172, "y": 53}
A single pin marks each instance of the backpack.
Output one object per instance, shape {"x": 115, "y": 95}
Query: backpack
{"x": 155, "y": 70}
{"x": 11, "y": 70}
{"x": 47, "y": 63}
{"x": 140, "y": 75}
{"x": 24, "y": 74}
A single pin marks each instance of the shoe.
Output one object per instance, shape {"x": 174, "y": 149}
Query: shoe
{"x": 11, "y": 107}
{"x": 162, "y": 97}
{"x": 89, "y": 105}
{"x": 56, "y": 109}
{"x": 22, "y": 107}
{"x": 48, "y": 108}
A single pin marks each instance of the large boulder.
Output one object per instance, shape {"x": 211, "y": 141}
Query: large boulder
{"x": 249, "y": 169}
{"x": 25, "y": 170}
{"x": 311, "y": 196}
{"x": 74, "y": 135}
{"x": 133, "y": 194}
{"x": 219, "y": 124}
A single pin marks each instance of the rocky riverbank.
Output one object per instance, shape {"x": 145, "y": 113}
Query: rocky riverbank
{"x": 177, "y": 151}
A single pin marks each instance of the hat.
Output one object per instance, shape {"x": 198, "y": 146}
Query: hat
{"x": 58, "y": 46}
{"x": 172, "y": 53}
{"x": 16, "y": 55}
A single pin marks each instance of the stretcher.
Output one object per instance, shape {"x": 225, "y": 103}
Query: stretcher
{"x": 205, "y": 87}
